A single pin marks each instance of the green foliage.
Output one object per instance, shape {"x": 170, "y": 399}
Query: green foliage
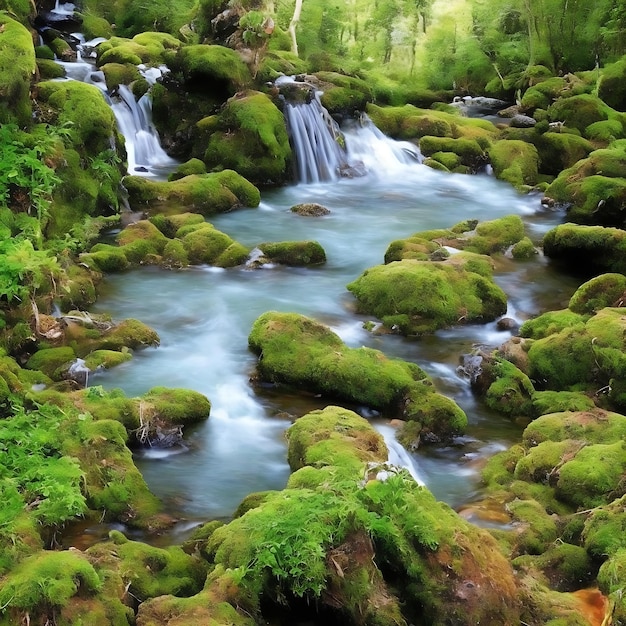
{"x": 32, "y": 461}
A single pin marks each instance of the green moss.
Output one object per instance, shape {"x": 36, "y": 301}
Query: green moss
{"x": 551, "y": 323}
{"x": 94, "y": 26}
{"x": 497, "y": 234}
{"x": 414, "y": 297}
{"x": 178, "y": 406}
{"x": 506, "y": 388}
{"x": 205, "y": 244}
{"x": 192, "y": 166}
{"x": 207, "y": 68}
{"x": 592, "y": 477}
{"x": 611, "y": 87}
{"x": 105, "y": 359}
{"x": 500, "y": 468}
{"x": 524, "y": 250}
{"x": 345, "y": 94}
{"x": 469, "y": 151}
{"x": 545, "y": 402}
{"x": 604, "y": 533}
{"x": 413, "y": 247}
{"x": 297, "y": 351}
{"x": 129, "y": 333}
{"x": 560, "y": 151}
{"x": 105, "y": 258}
{"x": 235, "y": 254}
{"x": 170, "y": 225}
{"x": 250, "y": 137}
{"x": 207, "y": 194}
{"x": 611, "y": 582}
{"x": 449, "y": 160}
{"x": 580, "y": 111}
{"x": 538, "y": 528}
{"x": 334, "y": 436}
{"x": 47, "y": 582}
{"x": 516, "y": 162}
{"x": 294, "y": 253}
{"x": 117, "y": 74}
{"x": 597, "y": 293}
{"x": 174, "y": 255}
{"x": 83, "y": 108}
{"x": 49, "y": 69}
{"x": 17, "y": 70}
{"x": 52, "y": 361}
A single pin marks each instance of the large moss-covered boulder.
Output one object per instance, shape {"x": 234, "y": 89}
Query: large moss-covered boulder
{"x": 344, "y": 95}
{"x": 17, "y": 70}
{"x": 295, "y": 253}
{"x": 250, "y": 137}
{"x": 299, "y": 352}
{"x": 599, "y": 292}
{"x": 588, "y": 249}
{"x": 211, "y": 69}
{"x": 560, "y": 151}
{"x": 582, "y": 111}
{"x": 611, "y": 87}
{"x": 515, "y": 161}
{"x": 594, "y": 188}
{"x": 204, "y": 193}
{"x": 362, "y": 525}
{"x": 150, "y": 48}
{"x": 414, "y": 297}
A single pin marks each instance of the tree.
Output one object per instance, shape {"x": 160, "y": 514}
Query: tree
{"x": 297, "y": 11}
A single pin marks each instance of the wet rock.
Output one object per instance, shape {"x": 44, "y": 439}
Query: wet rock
{"x": 310, "y": 209}
{"x": 523, "y": 121}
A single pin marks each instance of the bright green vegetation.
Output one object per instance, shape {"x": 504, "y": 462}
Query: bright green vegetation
{"x": 302, "y": 353}
{"x": 293, "y": 253}
{"x": 249, "y": 137}
{"x": 414, "y": 297}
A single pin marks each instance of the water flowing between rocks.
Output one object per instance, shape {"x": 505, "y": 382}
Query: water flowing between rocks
{"x": 203, "y": 316}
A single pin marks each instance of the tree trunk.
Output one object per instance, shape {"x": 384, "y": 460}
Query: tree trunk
{"x": 292, "y": 26}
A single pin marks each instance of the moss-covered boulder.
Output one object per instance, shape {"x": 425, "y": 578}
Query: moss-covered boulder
{"x": 611, "y": 86}
{"x": 414, "y": 297}
{"x": 299, "y": 352}
{"x": 295, "y": 253}
{"x": 53, "y": 362}
{"x": 189, "y": 168}
{"x": 344, "y": 95}
{"x": 587, "y": 249}
{"x": 17, "y": 71}
{"x": 205, "y": 193}
{"x": 211, "y": 69}
{"x": 582, "y": 111}
{"x": 452, "y": 572}
{"x": 516, "y": 162}
{"x": 203, "y": 243}
{"x": 469, "y": 151}
{"x": 602, "y": 291}
{"x": 155, "y": 48}
{"x": 594, "y": 188}
{"x": 250, "y": 137}
{"x": 560, "y": 151}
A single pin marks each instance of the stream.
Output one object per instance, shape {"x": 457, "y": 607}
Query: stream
{"x": 204, "y": 314}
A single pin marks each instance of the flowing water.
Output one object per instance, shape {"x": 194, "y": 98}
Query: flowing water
{"x": 203, "y": 316}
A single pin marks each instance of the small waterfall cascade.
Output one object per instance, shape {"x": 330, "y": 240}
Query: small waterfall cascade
{"x": 316, "y": 141}
{"x": 398, "y": 455}
{"x": 144, "y": 152}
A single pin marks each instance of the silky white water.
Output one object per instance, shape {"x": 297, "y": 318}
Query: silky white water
{"x": 203, "y": 316}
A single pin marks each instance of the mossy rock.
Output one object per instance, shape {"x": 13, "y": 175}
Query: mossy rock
{"x": 516, "y": 162}
{"x": 496, "y": 235}
{"x": 294, "y": 253}
{"x": 545, "y": 402}
{"x": 310, "y": 209}
{"x": 538, "y": 529}
{"x": 117, "y": 74}
{"x": 205, "y": 244}
{"x": 604, "y": 532}
{"x": 94, "y": 26}
{"x": 345, "y": 94}
{"x": 211, "y": 69}
{"x": 499, "y": 469}
{"x": 414, "y": 297}
{"x": 170, "y": 225}
{"x": 611, "y": 578}
{"x": 150, "y": 47}
{"x": 206, "y": 194}
{"x": 299, "y": 352}
{"x": 251, "y": 138}
{"x": 77, "y": 289}
{"x": 505, "y": 388}
{"x": 593, "y": 476}
{"x": 581, "y": 111}
{"x": 277, "y": 63}
{"x": 190, "y": 167}
{"x": 129, "y": 333}
{"x": 174, "y": 255}
{"x": 544, "y": 93}
{"x": 414, "y": 247}
{"x": 611, "y": 87}
{"x": 177, "y": 406}
{"x": 594, "y": 188}
{"x": 50, "y": 583}
{"x": 143, "y": 230}
{"x": 590, "y": 249}
{"x": 105, "y": 359}
{"x": 50, "y": 69}
{"x": 469, "y": 151}
{"x": 105, "y": 258}
{"x": 589, "y": 426}
{"x": 602, "y": 291}
{"x": 560, "y": 151}
{"x": 53, "y": 362}
{"x": 524, "y": 250}
{"x": 334, "y": 436}
{"x": 551, "y": 323}
{"x": 449, "y": 160}
{"x": 83, "y": 108}
{"x": 17, "y": 71}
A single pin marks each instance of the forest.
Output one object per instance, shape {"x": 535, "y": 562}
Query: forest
{"x": 346, "y": 537}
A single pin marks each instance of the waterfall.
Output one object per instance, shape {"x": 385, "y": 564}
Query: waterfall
{"x": 323, "y": 152}
{"x": 143, "y": 146}
{"x": 398, "y": 455}
{"x": 314, "y": 135}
